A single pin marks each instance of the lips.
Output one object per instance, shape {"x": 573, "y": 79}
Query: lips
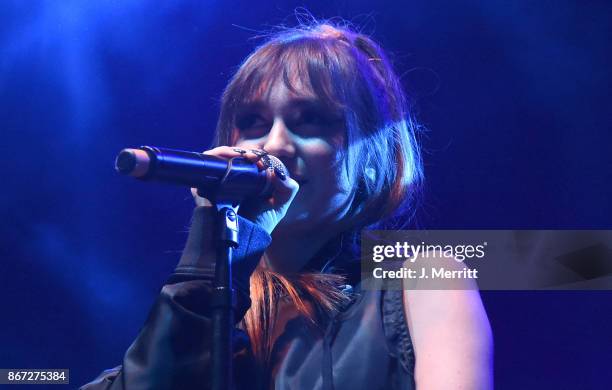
{"x": 296, "y": 173}
{"x": 301, "y": 180}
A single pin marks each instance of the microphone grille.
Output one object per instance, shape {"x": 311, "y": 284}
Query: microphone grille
{"x": 134, "y": 162}
{"x": 125, "y": 161}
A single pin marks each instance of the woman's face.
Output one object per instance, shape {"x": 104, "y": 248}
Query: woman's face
{"x": 308, "y": 137}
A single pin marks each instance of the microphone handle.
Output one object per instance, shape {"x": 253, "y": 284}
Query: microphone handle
{"x": 209, "y": 174}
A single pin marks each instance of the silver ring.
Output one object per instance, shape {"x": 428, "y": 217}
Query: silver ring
{"x": 259, "y": 152}
{"x": 277, "y": 166}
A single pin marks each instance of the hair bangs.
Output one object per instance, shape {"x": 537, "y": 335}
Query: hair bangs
{"x": 307, "y": 67}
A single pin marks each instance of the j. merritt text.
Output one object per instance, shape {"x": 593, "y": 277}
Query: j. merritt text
{"x": 425, "y": 273}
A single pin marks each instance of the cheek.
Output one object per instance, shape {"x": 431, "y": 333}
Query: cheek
{"x": 324, "y": 161}
{"x": 319, "y": 152}
{"x": 240, "y": 143}
{"x": 237, "y": 141}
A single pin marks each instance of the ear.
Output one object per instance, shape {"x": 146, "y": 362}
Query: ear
{"x": 370, "y": 174}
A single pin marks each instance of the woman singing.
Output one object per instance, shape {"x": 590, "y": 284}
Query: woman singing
{"x": 323, "y": 107}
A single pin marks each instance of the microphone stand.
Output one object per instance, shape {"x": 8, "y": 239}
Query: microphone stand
{"x": 225, "y": 194}
{"x": 226, "y": 200}
{"x": 224, "y": 298}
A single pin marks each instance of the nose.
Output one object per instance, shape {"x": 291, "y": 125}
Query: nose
{"x": 280, "y": 140}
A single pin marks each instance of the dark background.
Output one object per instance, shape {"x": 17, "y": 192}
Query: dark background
{"x": 514, "y": 96}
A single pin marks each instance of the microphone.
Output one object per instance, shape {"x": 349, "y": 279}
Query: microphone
{"x": 214, "y": 177}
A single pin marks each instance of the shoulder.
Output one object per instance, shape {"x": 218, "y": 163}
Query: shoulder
{"x": 448, "y": 314}
{"x": 451, "y": 336}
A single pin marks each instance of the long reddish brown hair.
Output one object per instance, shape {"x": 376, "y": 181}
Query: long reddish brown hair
{"x": 381, "y": 156}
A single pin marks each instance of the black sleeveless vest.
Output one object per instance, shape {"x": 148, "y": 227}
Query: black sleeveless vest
{"x": 366, "y": 346}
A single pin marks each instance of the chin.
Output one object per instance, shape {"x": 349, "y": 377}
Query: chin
{"x": 296, "y": 221}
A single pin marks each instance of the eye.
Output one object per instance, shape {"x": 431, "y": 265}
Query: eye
{"x": 313, "y": 118}
{"x": 252, "y": 125}
{"x": 315, "y": 122}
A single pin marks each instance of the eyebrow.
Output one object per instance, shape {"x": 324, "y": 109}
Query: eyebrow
{"x": 256, "y": 105}
{"x": 298, "y": 102}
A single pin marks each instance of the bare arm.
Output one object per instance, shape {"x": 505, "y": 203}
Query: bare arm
{"x": 452, "y": 339}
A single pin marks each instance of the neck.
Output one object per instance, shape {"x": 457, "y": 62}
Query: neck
{"x": 292, "y": 247}
{"x": 289, "y": 252}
